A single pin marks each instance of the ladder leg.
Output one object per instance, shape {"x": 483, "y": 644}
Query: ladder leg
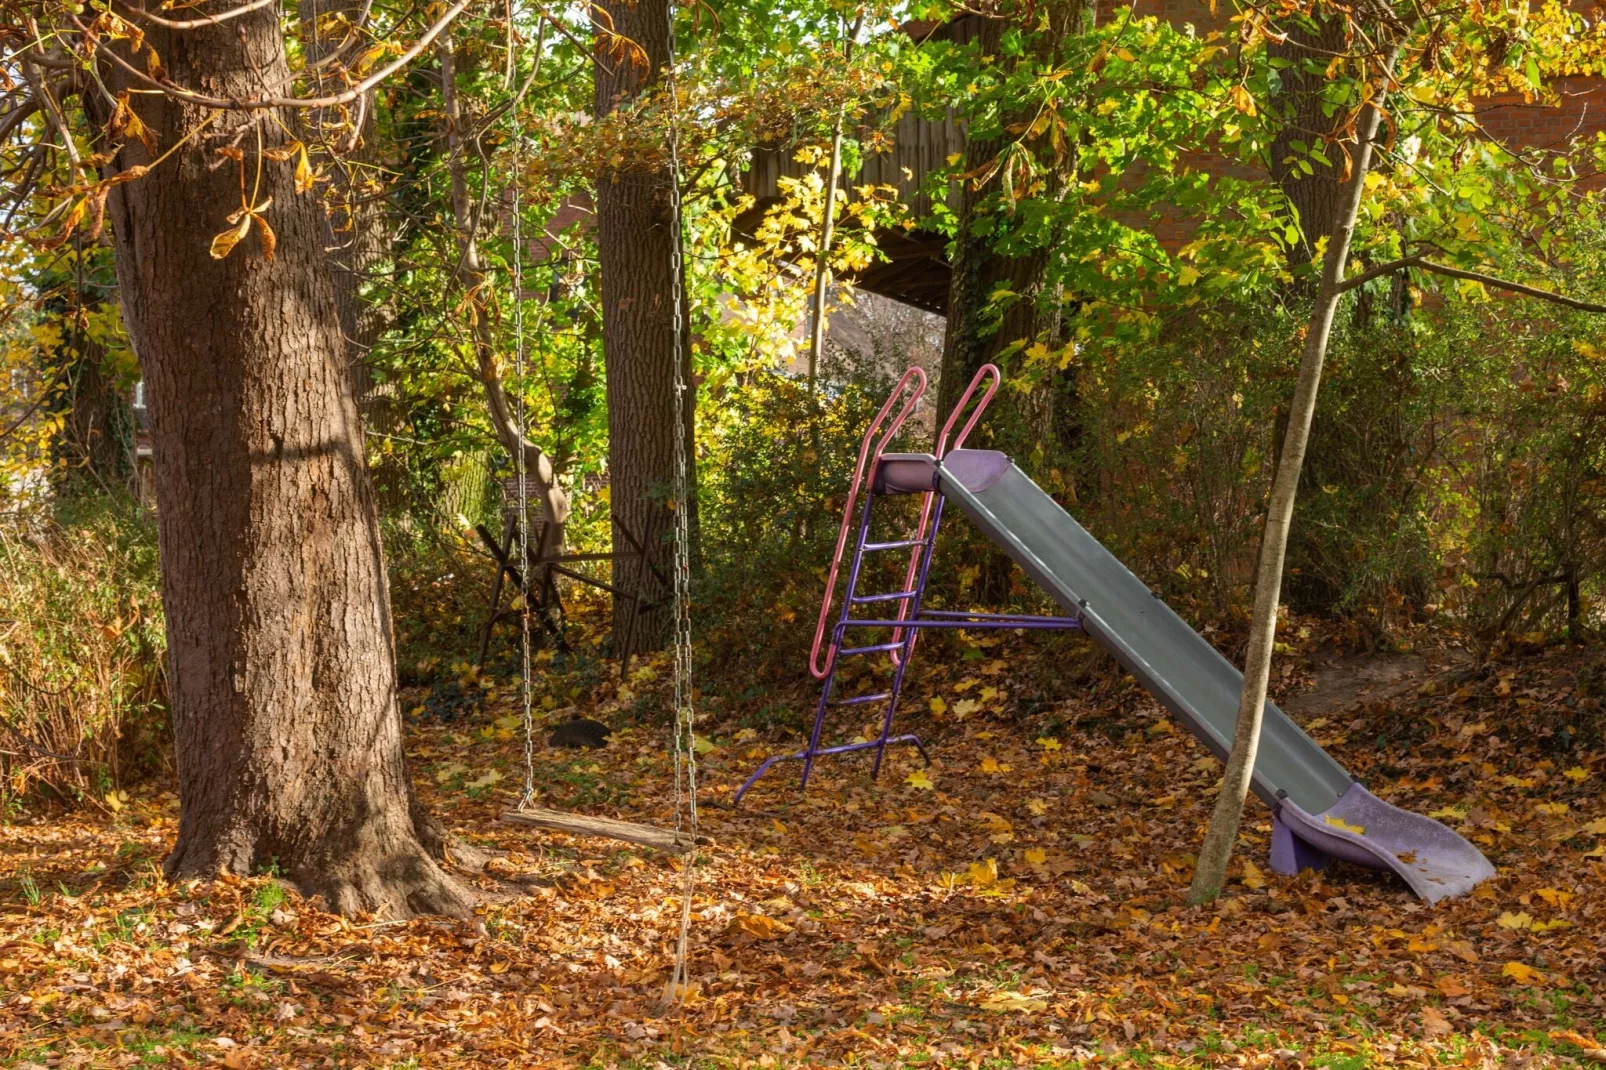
{"x": 836, "y": 637}
{"x": 908, "y": 642}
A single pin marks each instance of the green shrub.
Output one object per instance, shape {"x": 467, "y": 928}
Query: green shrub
{"x": 83, "y": 689}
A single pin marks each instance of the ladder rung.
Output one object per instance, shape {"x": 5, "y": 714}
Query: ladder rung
{"x": 876, "y": 649}
{"x": 896, "y": 596}
{"x": 860, "y": 700}
{"x": 902, "y": 544}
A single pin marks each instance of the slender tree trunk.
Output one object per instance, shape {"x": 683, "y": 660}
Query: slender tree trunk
{"x": 635, "y": 237}
{"x": 285, "y": 719}
{"x": 538, "y": 468}
{"x": 1216, "y": 851}
{"x": 95, "y": 445}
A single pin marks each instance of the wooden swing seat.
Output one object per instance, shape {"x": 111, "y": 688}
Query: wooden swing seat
{"x": 606, "y": 827}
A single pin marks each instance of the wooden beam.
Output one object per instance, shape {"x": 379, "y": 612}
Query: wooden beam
{"x": 606, "y": 827}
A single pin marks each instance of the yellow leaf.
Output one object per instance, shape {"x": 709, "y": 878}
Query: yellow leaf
{"x": 760, "y": 926}
{"x": 1553, "y": 809}
{"x": 1577, "y": 773}
{"x": 703, "y": 744}
{"x": 939, "y": 705}
{"x": 491, "y": 776}
{"x": 1048, "y": 744}
{"x": 994, "y": 767}
{"x": 223, "y": 244}
{"x": 1547, "y": 926}
{"x": 1037, "y": 807}
{"x": 1036, "y": 856}
{"x": 1253, "y": 878}
{"x": 447, "y": 772}
{"x": 304, "y": 174}
{"x": 270, "y": 240}
{"x": 1340, "y": 823}
{"x": 1597, "y": 826}
{"x": 113, "y": 802}
{"x": 1522, "y": 973}
{"x": 1080, "y": 888}
{"x": 1452, "y": 813}
{"x": 1188, "y": 275}
{"x": 984, "y": 874}
{"x": 965, "y": 707}
{"x": 1555, "y": 897}
{"x": 1014, "y": 1003}
{"x": 918, "y": 779}
{"x": 1522, "y": 921}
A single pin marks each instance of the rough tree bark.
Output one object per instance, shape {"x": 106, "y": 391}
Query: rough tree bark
{"x": 286, "y": 725}
{"x": 1216, "y": 850}
{"x": 356, "y": 229}
{"x": 635, "y": 237}
{"x": 95, "y": 446}
{"x": 1316, "y": 195}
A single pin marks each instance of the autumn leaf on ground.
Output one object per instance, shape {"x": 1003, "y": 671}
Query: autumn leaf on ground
{"x": 1035, "y": 856}
{"x": 918, "y": 779}
{"x": 759, "y": 926}
{"x": 1340, "y": 823}
{"x": 1521, "y": 921}
{"x": 1014, "y": 1003}
{"x": 1434, "y": 1023}
{"x": 448, "y": 771}
{"x": 965, "y": 707}
{"x": 939, "y": 705}
{"x": 484, "y": 780}
{"x": 1553, "y": 809}
{"x": 1577, "y": 774}
{"x": 1037, "y": 807}
{"x": 994, "y": 767}
{"x": 1522, "y": 973}
{"x": 983, "y": 874}
{"x": 1253, "y": 878}
{"x": 1048, "y": 743}
{"x": 1554, "y": 897}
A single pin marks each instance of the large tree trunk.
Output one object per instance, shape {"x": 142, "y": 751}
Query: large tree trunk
{"x": 285, "y": 719}
{"x": 1316, "y": 194}
{"x": 1216, "y": 850}
{"x": 635, "y": 236}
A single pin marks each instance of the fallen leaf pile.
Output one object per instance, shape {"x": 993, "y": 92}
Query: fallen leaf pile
{"x": 1019, "y": 902}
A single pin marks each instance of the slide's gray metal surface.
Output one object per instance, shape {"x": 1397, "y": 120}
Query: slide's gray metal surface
{"x": 1315, "y": 801}
{"x": 1171, "y": 660}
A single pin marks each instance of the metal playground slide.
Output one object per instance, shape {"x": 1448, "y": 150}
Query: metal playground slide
{"x": 1321, "y": 812}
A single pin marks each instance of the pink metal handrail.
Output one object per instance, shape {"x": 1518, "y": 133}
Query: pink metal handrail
{"x": 985, "y": 371}
{"x": 942, "y": 451}
{"x": 917, "y": 376}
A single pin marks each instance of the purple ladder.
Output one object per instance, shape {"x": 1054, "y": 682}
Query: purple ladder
{"x": 912, "y": 616}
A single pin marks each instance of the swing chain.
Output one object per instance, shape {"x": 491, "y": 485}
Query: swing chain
{"x": 526, "y": 799}
{"x": 684, "y": 733}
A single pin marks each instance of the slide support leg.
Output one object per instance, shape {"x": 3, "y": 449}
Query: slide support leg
{"x": 1290, "y": 854}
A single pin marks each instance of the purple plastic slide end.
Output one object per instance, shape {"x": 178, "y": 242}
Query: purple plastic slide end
{"x": 1290, "y": 854}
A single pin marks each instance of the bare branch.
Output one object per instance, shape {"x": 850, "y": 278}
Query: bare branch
{"x": 1473, "y": 276}
{"x": 260, "y": 103}
{"x": 205, "y": 20}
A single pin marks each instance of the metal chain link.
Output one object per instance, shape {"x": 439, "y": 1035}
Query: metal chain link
{"x": 519, "y": 465}
{"x": 685, "y": 738}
